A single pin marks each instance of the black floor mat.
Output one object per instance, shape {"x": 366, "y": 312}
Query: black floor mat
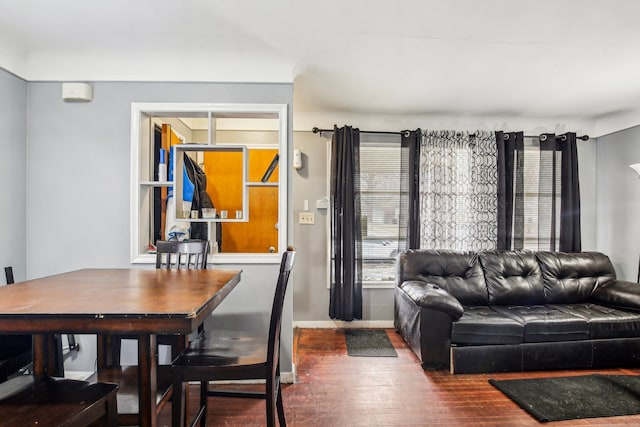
{"x": 576, "y": 397}
{"x": 369, "y": 343}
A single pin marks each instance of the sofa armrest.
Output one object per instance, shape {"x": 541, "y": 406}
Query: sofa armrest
{"x": 428, "y": 295}
{"x": 618, "y": 293}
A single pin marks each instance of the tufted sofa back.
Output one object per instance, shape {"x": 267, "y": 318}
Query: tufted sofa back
{"x": 508, "y": 277}
{"x": 458, "y": 273}
{"x": 570, "y": 278}
{"x": 512, "y": 277}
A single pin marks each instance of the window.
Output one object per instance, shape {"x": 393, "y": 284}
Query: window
{"x": 380, "y": 173}
{"x": 233, "y": 146}
{"x": 541, "y": 196}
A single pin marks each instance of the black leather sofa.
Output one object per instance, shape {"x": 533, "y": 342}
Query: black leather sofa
{"x": 497, "y": 311}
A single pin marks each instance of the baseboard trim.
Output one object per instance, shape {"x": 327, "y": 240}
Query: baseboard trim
{"x": 78, "y": 375}
{"x": 341, "y": 324}
{"x": 287, "y": 377}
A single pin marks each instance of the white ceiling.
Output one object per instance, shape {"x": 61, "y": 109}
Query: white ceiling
{"x": 469, "y": 63}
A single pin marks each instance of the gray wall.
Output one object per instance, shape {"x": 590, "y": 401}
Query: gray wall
{"x": 311, "y": 296}
{"x": 13, "y": 125}
{"x": 618, "y": 194}
{"x": 78, "y": 185}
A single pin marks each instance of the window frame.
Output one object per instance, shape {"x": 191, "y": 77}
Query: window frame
{"x": 142, "y": 115}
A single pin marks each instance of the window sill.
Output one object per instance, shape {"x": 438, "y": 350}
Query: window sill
{"x": 378, "y": 285}
{"x": 374, "y": 285}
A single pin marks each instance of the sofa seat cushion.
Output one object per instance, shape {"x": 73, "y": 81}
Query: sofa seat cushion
{"x": 547, "y": 323}
{"x": 606, "y": 322}
{"x": 483, "y": 325}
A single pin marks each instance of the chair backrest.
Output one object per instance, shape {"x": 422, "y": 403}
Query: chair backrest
{"x": 15, "y": 350}
{"x": 273, "y": 354}
{"x": 8, "y": 273}
{"x": 188, "y": 254}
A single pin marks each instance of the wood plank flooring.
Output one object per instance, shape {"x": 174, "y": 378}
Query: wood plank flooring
{"x": 334, "y": 389}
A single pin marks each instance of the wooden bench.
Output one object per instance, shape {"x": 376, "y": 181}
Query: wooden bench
{"x": 29, "y": 401}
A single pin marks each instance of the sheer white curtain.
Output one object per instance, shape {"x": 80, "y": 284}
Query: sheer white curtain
{"x": 458, "y": 190}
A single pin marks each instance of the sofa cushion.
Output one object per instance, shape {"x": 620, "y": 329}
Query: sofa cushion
{"x": 483, "y": 325}
{"x": 571, "y": 277}
{"x": 512, "y": 277}
{"x": 458, "y": 273}
{"x": 606, "y": 322}
{"x": 545, "y": 323}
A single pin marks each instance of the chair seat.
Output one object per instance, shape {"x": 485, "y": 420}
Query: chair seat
{"x": 25, "y": 400}
{"x": 216, "y": 348}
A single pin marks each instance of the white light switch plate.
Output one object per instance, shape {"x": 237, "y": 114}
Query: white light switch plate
{"x": 307, "y": 218}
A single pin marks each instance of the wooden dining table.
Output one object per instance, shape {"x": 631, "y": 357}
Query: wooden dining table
{"x": 139, "y": 302}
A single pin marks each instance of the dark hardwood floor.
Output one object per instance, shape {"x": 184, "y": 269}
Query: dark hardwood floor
{"x": 334, "y": 389}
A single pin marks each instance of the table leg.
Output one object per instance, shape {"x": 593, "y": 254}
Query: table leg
{"x": 102, "y": 348}
{"x": 147, "y": 377}
{"x": 108, "y": 351}
{"x": 45, "y": 356}
{"x": 39, "y": 355}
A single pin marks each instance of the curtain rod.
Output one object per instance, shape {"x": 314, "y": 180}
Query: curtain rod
{"x": 543, "y": 137}
{"x": 405, "y": 133}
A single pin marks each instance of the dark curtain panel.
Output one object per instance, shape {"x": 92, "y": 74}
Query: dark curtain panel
{"x": 506, "y": 147}
{"x": 538, "y": 192}
{"x": 345, "y": 299}
{"x": 570, "y": 231}
{"x": 410, "y": 190}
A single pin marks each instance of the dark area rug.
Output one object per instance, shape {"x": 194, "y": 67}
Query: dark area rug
{"x": 369, "y": 343}
{"x": 569, "y": 398}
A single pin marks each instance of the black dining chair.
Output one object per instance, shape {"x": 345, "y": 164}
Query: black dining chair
{"x": 188, "y": 254}
{"x": 171, "y": 255}
{"x": 16, "y": 350}
{"x": 216, "y": 356}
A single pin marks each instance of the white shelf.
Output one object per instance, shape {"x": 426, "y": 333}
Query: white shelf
{"x": 262, "y": 184}
{"x": 178, "y": 165}
{"x": 157, "y": 183}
